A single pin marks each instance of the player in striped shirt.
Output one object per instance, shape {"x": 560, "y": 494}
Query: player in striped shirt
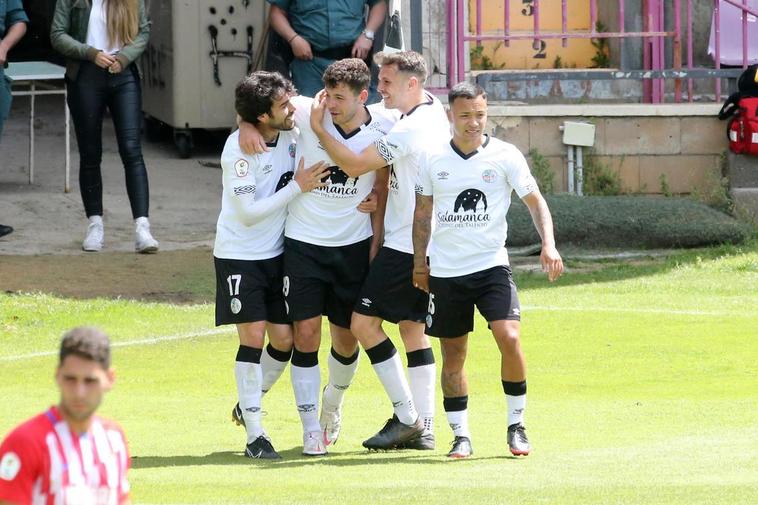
{"x": 67, "y": 454}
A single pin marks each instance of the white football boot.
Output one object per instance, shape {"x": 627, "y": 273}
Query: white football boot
{"x": 313, "y": 444}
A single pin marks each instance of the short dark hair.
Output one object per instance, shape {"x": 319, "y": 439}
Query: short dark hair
{"x": 465, "y": 89}
{"x": 88, "y": 343}
{"x": 409, "y": 62}
{"x": 256, "y": 93}
{"x": 353, "y": 72}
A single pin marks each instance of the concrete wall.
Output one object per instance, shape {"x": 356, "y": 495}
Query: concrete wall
{"x": 684, "y": 143}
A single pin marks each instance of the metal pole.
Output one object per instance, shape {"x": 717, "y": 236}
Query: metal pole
{"x": 717, "y": 22}
{"x": 570, "y": 169}
{"x": 417, "y": 27}
{"x": 579, "y": 172}
{"x": 31, "y": 133}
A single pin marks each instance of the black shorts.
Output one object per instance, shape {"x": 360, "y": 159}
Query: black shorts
{"x": 452, "y": 300}
{"x": 388, "y": 292}
{"x": 323, "y": 280}
{"x": 248, "y": 291}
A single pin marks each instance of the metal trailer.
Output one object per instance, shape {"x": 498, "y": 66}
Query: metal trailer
{"x": 198, "y": 51}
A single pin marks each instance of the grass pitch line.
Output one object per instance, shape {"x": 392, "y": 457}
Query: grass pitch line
{"x": 128, "y": 343}
{"x": 641, "y": 311}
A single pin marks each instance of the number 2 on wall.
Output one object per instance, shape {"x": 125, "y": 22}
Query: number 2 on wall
{"x": 539, "y": 46}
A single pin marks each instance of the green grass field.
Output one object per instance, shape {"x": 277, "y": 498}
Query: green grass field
{"x": 643, "y": 388}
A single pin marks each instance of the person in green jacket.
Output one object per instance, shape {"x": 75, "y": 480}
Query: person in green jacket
{"x": 101, "y": 39}
{"x": 12, "y": 27}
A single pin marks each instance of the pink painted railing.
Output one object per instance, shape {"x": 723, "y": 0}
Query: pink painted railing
{"x": 654, "y": 37}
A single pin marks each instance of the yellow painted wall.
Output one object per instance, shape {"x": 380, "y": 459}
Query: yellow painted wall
{"x": 522, "y": 54}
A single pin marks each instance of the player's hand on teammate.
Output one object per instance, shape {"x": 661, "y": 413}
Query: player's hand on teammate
{"x": 318, "y": 109}
{"x": 551, "y": 261}
{"x": 310, "y": 178}
{"x": 250, "y": 139}
{"x": 370, "y": 203}
{"x": 421, "y": 277}
{"x": 301, "y": 48}
{"x": 104, "y": 60}
{"x": 361, "y": 47}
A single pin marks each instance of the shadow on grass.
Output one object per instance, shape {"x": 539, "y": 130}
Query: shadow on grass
{"x": 293, "y": 458}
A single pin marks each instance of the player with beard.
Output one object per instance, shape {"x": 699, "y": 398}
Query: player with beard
{"x": 387, "y": 294}
{"x": 250, "y": 243}
{"x": 467, "y": 184}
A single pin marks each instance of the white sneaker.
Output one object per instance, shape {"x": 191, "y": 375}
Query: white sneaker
{"x": 313, "y": 444}
{"x": 330, "y": 423}
{"x": 144, "y": 242}
{"x": 93, "y": 241}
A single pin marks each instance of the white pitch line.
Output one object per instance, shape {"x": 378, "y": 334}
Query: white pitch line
{"x": 644, "y": 311}
{"x": 128, "y": 343}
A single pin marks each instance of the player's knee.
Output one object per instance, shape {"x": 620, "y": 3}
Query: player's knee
{"x": 509, "y": 340}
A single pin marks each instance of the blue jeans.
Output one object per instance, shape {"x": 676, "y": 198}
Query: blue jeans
{"x": 93, "y": 90}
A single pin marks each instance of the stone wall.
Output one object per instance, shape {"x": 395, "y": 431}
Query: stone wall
{"x": 684, "y": 143}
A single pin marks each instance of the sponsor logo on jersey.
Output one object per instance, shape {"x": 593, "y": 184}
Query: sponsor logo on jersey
{"x": 241, "y": 167}
{"x": 9, "y": 466}
{"x": 244, "y": 190}
{"x": 489, "y": 176}
{"x": 235, "y": 305}
{"x": 470, "y": 210}
{"x": 284, "y": 180}
{"x": 339, "y": 184}
{"x": 442, "y": 176}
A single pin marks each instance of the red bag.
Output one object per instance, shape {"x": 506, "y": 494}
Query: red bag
{"x": 742, "y": 128}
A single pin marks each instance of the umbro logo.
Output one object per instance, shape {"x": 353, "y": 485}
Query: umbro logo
{"x": 397, "y": 404}
{"x": 307, "y": 407}
{"x": 443, "y": 176}
{"x": 267, "y": 169}
{"x": 366, "y": 302}
{"x": 516, "y": 311}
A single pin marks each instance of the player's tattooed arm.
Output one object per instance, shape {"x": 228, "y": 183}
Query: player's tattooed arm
{"x": 353, "y": 164}
{"x": 381, "y": 190}
{"x": 422, "y": 232}
{"x": 551, "y": 260}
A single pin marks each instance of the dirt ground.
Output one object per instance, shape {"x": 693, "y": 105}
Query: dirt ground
{"x": 44, "y": 252}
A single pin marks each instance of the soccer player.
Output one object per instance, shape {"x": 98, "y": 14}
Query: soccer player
{"x": 250, "y": 242}
{"x": 327, "y": 248}
{"x": 467, "y": 185}
{"x": 387, "y": 294}
{"x": 68, "y": 454}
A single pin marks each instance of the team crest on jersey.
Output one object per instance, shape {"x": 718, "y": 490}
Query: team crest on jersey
{"x": 292, "y": 150}
{"x": 236, "y": 305}
{"x": 489, "y": 175}
{"x": 241, "y": 167}
{"x": 9, "y": 466}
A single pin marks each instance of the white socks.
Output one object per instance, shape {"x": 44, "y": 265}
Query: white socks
{"x": 306, "y": 383}
{"x": 422, "y": 380}
{"x": 248, "y": 376}
{"x": 341, "y": 373}
{"x": 516, "y": 406}
{"x": 392, "y": 377}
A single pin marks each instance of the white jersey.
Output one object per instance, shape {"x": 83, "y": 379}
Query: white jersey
{"x": 328, "y": 216}
{"x": 257, "y": 189}
{"x": 472, "y": 194}
{"x": 425, "y": 125}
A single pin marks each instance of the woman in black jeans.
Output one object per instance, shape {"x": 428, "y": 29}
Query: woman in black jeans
{"x": 101, "y": 39}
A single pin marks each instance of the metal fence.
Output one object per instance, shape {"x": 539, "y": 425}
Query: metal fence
{"x": 663, "y": 55}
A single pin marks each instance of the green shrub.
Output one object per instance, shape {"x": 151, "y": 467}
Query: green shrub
{"x": 628, "y": 221}
{"x": 715, "y": 193}
{"x": 599, "y": 179}
{"x": 665, "y": 188}
{"x": 542, "y": 172}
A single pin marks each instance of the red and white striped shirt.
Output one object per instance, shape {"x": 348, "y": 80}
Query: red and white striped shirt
{"x": 43, "y": 462}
